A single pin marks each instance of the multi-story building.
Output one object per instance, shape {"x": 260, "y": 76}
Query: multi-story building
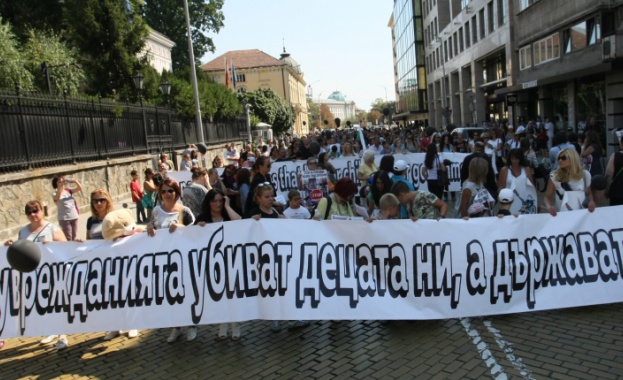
{"x": 406, "y": 24}
{"x": 255, "y": 69}
{"x": 339, "y": 106}
{"x": 492, "y": 60}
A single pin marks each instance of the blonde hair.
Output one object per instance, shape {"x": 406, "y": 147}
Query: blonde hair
{"x": 109, "y": 204}
{"x": 261, "y": 188}
{"x": 575, "y": 170}
{"x": 478, "y": 168}
{"x": 388, "y": 200}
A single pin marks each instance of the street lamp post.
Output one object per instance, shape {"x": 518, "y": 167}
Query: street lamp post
{"x": 165, "y": 89}
{"x": 193, "y": 73}
{"x": 139, "y": 82}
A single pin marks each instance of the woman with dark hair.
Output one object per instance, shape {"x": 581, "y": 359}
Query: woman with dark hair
{"x": 340, "y": 201}
{"x": 592, "y": 153}
{"x": 381, "y": 185}
{"x": 517, "y": 176}
{"x": 474, "y": 190}
{"x": 216, "y": 209}
{"x": 432, "y": 165}
{"x": 387, "y": 163}
{"x": 67, "y": 205}
{"x": 169, "y": 215}
{"x": 446, "y": 144}
{"x": 260, "y": 173}
{"x": 243, "y": 181}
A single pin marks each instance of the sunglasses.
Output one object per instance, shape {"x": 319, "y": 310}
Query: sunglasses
{"x": 99, "y": 200}
{"x": 35, "y": 211}
{"x": 264, "y": 184}
{"x": 170, "y": 191}
{"x": 562, "y": 158}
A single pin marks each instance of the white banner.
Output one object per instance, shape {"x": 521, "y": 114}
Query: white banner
{"x": 307, "y": 270}
{"x": 284, "y": 174}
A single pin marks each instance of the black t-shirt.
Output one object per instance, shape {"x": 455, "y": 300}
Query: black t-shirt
{"x": 257, "y": 210}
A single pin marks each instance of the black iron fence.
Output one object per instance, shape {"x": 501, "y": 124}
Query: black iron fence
{"x": 43, "y": 131}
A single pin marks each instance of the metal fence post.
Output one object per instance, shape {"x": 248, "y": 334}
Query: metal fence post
{"x": 22, "y": 128}
{"x": 71, "y": 139}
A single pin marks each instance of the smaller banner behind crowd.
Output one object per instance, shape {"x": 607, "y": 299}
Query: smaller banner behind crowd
{"x": 306, "y": 270}
{"x": 284, "y": 174}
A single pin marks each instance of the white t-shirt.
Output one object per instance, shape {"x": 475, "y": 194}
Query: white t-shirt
{"x": 231, "y": 156}
{"x": 297, "y": 213}
{"x": 46, "y": 233}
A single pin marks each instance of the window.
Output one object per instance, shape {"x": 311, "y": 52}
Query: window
{"x": 546, "y": 49}
{"x": 593, "y": 30}
{"x": 490, "y": 17}
{"x": 525, "y": 57}
{"x": 468, "y": 42}
{"x": 461, "y": 40}
{"x": 481, "y": 18}
{"x": 523, "y": 4}
{"x": 456, "y": 48}
{"x": 474, "y": 30}
{"x": 575, "y": 37}
{"x": 501, "y": 12}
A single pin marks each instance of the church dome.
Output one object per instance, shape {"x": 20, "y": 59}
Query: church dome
{"x": 337, "y": 95}
{"x": 285, "y": 57}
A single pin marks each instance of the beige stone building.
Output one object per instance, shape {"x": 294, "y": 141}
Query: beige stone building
{"x": 158, "y": 50}
{"x": 255, "y": 69}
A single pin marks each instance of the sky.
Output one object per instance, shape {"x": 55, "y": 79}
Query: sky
{"x": 342, "y": 45}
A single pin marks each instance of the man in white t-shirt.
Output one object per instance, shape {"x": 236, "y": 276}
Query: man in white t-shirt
{"x": 549, "y": 129}
{"x": 231, "y": 154}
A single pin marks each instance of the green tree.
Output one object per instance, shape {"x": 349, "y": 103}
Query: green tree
{"x": 32, "y": 14}
{"x": 270, "y": 108}
{"x": 314, "y": 110}
{"x": 63, "y": 71}
{"x": 12, "y": 63}
{"x": 109, "y": 38}
{"x": 167, "y": 17}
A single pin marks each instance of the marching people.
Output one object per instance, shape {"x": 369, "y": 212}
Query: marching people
{"x": 193, "y": 194}
{"x": 614, "y": 175}
{"x": 137, "y": 197}
{"x": 67, "y": 205}
{"x": 474, "y": 188}
{"x": 39, "y": 230}
{"x": 517, "y": 177}
{"x": 171, "y": 215}
{"x": 420, "y": 204}
{"x": 569, "y": 180}
{"x": 101, "y": 205}
{"x": 216, "y": 208}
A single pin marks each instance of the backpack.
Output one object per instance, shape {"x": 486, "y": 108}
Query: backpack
{"x": 326, "y": 212}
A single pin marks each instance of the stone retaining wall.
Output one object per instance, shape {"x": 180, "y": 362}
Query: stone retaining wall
{"x": 111, "y": 175}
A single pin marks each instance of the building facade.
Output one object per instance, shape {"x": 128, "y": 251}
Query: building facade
{"x": 255, "y": 69}
{"x": 493, "y": 60}
{"x": 406, "y": 24}
{"x": 339, "y": 106}
{"x": 158, "y": 50}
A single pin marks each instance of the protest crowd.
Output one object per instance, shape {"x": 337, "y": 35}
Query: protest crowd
{"x": 502, "y": 170}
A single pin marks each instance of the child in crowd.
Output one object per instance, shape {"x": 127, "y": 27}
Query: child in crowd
{"x": 419, "y": 204}
{"x": 264, "y": 197}
{"x": 137, "y": 197}
{"x": 389, "y": 207}
{"x": 506, "y": 199}
{"x": 295, "y": 211}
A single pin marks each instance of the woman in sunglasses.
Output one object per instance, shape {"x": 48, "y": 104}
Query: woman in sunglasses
{"x": 40, "y": 230}
{"x": 570, "y": 178}
{"x": 170, "y": 215}
{"x": 101, "y": 205}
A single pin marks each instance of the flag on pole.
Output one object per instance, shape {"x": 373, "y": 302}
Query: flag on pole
{"x": 233, "y": 75}
{"x": 226, "y": 75}
{"x": 362, "y": 139}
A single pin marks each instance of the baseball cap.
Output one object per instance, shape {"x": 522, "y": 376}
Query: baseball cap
{"x": 400, "y": 166}
{"x": 506, "y": 196}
